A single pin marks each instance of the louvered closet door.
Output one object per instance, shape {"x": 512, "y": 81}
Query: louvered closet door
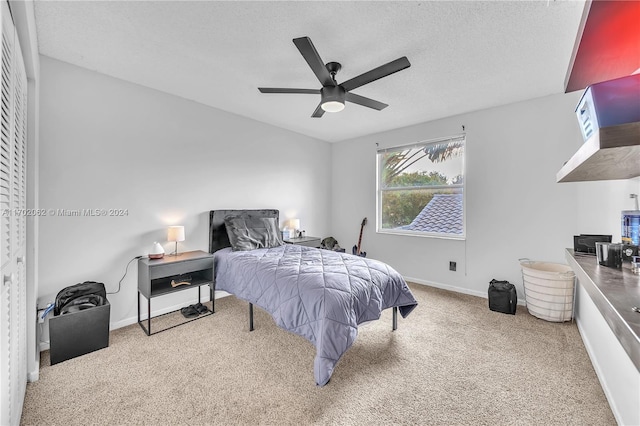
{"x": 13, "y": 125}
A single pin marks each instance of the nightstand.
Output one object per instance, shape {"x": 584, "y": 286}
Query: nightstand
{"x": 304, "y": 241}
{"x": 157, "y": 277}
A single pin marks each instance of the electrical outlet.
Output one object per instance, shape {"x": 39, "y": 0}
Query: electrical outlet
{"x": 452, "y": 266}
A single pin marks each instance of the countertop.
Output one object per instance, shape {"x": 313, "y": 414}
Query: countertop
{"x": 614, "y": 292}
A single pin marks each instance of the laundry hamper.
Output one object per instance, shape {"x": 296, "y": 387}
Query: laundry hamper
{"x": 548, "y": 290}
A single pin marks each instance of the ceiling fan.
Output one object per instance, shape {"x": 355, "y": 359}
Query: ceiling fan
{"x": 332, "y": 94}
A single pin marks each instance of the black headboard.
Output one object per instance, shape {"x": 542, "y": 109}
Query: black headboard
{"x": 218, "y": 238}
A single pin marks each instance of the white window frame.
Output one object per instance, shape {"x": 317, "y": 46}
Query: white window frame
{"x": 463, "y": 186}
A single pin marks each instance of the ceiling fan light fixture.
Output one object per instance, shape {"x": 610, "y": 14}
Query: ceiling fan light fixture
{"x": 332, "y": 106}
{"x": 332, "y": 98}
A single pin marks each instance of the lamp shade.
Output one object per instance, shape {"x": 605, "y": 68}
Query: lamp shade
{"x": 294, "y": 224}
{"x": 175, "y": 233}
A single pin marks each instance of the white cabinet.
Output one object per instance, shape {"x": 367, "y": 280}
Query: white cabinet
{"x": 610, "y": 333}
{"x": 618, "y": 376}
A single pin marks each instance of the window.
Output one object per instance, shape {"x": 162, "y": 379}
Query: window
{"x": 421, "y": 189}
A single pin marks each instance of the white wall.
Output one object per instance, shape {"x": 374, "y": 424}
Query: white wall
{"x": 106, "y": 143}
{"x": 514, "y": 207}
{"x": 600, "y": 205}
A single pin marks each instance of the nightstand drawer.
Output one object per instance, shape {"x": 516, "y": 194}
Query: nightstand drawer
{"x": 304, "y": 241}
{"x": 179, "y": 268}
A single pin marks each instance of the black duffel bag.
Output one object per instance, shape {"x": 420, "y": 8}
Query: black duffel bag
{"x": 502, "y": 297}
{"x": 80, "y": 296}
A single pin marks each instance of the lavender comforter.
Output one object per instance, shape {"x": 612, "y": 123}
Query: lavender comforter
{"x": 318, "y": 294}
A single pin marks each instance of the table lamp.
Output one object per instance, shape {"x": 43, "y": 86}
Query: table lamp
{"x": 175, "y": 233}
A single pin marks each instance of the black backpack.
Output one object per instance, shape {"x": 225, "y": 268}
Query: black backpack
{"x": 502, "y": 297}
{"x": 80, "y": 296}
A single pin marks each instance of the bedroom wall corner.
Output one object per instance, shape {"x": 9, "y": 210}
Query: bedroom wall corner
{"x": 162, "y": 160}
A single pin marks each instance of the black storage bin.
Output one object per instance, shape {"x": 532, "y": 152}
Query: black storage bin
{"x": 78, "y": 333}
{"x": 502, "y": 297}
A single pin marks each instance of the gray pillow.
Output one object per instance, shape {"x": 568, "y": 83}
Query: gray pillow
{"x": 248, "y": 233}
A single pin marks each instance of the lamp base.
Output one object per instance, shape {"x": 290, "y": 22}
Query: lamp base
{"x": 175, "y": 252}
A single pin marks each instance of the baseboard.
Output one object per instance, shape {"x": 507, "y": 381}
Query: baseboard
{"x": 44, "y": 346}
{"x": 133, "y": 320}
{"x": 33, "y": 376}
{"x": 455, "y": 289}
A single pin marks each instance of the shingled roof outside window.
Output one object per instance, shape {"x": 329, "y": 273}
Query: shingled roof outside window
{"x": 443, "y": 214}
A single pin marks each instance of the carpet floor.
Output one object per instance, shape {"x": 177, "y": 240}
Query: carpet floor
{"x": 451, "y": 362}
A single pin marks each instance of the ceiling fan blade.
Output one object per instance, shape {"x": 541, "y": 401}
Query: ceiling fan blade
{"x": 319, "y": 112}
{"x": 284, "y": 90}
{"x": 361, "y": 100}
{"x": 376, "y": 73}
{"x": 310, "y": 54}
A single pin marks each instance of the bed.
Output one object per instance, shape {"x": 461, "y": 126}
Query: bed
{"x": 318, "y": 294}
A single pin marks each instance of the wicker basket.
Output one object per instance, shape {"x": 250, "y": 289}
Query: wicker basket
{"x": 548, "y": 290}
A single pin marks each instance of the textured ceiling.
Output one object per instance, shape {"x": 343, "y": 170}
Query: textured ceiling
{"x": 465, "y": 56}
